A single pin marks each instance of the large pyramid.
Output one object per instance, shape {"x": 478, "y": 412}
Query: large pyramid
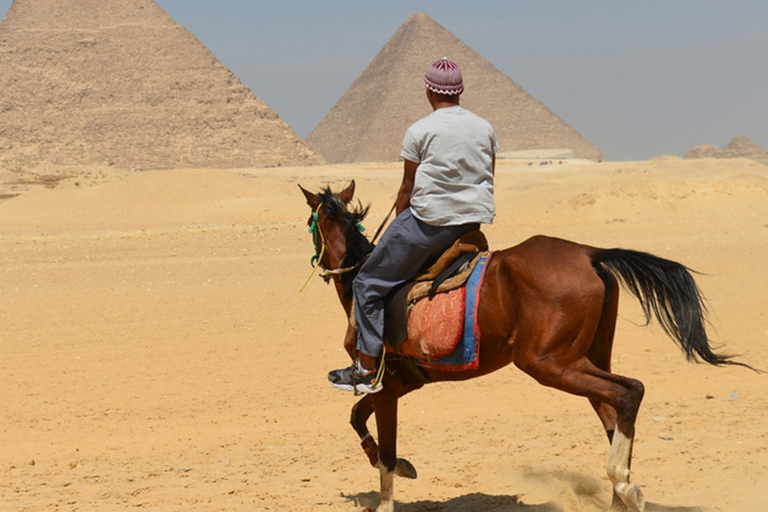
{"x": 370, "y": 119}
{"x": 119, "y": 82}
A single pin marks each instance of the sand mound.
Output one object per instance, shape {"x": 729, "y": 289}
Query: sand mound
{"x": 145, "y": 200}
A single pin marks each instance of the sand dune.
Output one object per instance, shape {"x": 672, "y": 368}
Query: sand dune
{"x": 158, "y": 354}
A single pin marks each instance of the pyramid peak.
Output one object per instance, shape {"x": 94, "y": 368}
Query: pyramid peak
{"x": 740, "y": 146}
{"x": 421, "y": 21}
{"x": 741, "y": 141}
{"x": 419, "y": 17}
{"x": 357, "y": 130}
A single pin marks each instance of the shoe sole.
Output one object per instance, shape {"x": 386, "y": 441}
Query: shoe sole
{"x": 360, "y": 388}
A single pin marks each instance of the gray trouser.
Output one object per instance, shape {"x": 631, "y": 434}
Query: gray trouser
{"x": 405, "y": 247}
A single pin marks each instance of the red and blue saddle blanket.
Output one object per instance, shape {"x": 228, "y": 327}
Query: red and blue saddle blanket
{"x": 443, "y": 333}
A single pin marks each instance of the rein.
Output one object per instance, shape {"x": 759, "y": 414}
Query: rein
{"x": 384, "y": 222}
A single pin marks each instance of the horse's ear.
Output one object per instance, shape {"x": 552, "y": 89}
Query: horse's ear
{"x": 346, "y": 194}
{"x": 311, "y": 198}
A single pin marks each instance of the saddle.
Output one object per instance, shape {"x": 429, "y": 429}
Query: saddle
{"x": 449, "y": 272}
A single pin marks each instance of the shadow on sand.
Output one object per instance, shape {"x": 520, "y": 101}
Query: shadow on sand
{"x": 468, "y": 503}
{"x": 479, "y": 502}
{"x": 567, "y": 492}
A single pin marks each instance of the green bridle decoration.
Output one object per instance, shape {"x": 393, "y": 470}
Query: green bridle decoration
{"x": 317, "y": 235}
{"x": 319, "y": 241}
{"x": 314, "y": 228}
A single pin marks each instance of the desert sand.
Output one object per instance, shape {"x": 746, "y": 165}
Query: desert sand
{"x": 157, "y": 353}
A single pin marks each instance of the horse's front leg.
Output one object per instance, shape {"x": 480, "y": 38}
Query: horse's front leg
{"x": 385, "y": 407}
{"x": 361, "y": 411}
{"x": 350, "y": 341}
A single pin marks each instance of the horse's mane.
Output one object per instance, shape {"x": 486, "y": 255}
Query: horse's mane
{"x": 358, "y": 245}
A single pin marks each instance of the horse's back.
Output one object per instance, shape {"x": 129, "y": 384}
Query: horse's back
{"x": 546, "y": 261}
{"x": 544, "y": 277}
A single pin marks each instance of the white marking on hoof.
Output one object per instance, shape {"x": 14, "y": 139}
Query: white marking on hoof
{"x": 618, "y": 471}
{"x": 386, "y": 495}
{"x": 631, "y": 495}
{"x": 618, "y": 460}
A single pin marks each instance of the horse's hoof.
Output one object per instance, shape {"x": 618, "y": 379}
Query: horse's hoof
{"x": 631, "y": 496}
{"x": 405, "y": 469}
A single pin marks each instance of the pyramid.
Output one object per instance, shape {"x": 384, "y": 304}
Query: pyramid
{"x": 119, "y": 82}
{"x": 370, "y": 119}
{"x": 739, "y": 147}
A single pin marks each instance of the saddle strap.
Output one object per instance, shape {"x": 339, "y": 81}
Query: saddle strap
{"x": 449, "y": 272}
{"x": 423, "y": 288}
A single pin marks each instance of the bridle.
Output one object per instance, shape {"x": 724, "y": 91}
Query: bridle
{"x": 317, "y": 233}
{"x": 318, "y": 238}
{"x": 327, "y": 275}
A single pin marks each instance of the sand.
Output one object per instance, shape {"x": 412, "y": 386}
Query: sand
{"x": 157, "y": 353}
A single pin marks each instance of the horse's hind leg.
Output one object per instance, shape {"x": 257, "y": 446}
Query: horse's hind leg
{"x": 626, "y": 495}
{"x": 600, "y": 350}
{"x": 616, "y": 398}
{"x": 600, "y": 355}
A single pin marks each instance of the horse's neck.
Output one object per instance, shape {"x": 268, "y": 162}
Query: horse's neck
{"x": 346, "y": 303}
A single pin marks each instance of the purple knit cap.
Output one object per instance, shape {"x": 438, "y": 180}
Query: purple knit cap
{"x": 444, "y": 77}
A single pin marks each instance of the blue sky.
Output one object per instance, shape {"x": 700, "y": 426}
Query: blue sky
{"x": 638, "y": 79}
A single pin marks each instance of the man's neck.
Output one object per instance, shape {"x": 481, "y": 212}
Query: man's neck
{"x": 444, "y": 104}
{"x": 438, "y": 101}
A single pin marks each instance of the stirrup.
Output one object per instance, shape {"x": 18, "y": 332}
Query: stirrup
{"x": 377, "y": 381}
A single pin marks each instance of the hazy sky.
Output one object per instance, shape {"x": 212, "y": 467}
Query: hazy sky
{"x": 638, "y": 79}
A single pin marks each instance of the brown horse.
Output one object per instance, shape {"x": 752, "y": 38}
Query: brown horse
{"x": 549, "y": 306}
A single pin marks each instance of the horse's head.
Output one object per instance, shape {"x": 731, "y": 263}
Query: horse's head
{"x": 340, "y": 244}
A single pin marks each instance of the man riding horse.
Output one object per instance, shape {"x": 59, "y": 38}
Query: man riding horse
{"x": 447, "y": 191}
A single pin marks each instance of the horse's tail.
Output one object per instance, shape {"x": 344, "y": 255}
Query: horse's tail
{"x": 666, "y": 289}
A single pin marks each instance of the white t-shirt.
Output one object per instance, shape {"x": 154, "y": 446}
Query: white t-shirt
{"x": 454, "y": 181}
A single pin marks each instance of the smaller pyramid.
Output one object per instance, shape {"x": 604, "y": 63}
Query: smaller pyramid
{"x": 370, "y": 119}
{"x": 739, "y": 147}
{"x": 119, "y": 82}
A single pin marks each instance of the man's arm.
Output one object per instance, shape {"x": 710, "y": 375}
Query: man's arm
{"x": 406, "y": 187}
